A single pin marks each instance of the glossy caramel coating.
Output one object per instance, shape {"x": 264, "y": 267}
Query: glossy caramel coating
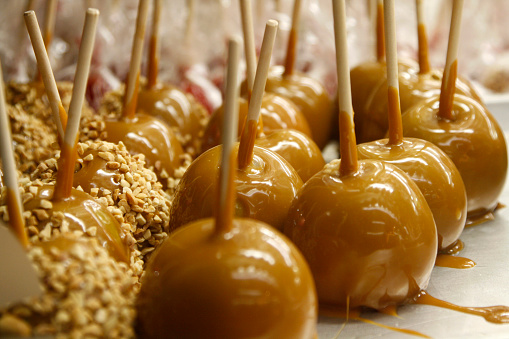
{"x": 177, "y": 109}
{"x": 369, "y": 94}
{"x": 473, "y": 140}
{"x": 429, "y": 84}
{"x": 369, "y": 236}
{"x": 250, "y": 282}
{"x": 369, "y": 97}
{"x": 149, "y": 136}
{"x": 276, "y": 113}
{"x": 265, "y": 189}
{"x": 436, "y": 176}
{"x": 82, "y": 213}
{"x": 297, "y": 148}
{"x": 96, "y": 174}
{"x": 310, "y": 96}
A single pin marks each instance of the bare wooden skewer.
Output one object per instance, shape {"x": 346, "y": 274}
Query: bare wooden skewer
{"x": 43, "y": 62}
{"x": 133, "y": 77}
{"x": 451, "y": 65}
{"x": 226, "y": 201}
{"x": 10, "y": 174}
{"x": 65, "y": 174}
{"x": 348, "y": 145}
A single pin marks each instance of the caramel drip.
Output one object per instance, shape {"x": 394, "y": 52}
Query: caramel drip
{"x": 401, "y": 330}
{"x": 48, "y": 36}
{"x": 493, "y": 314}
{"x": 153, "y": 63}
{"x": 347, "y": 144}
{"x": 454, "y": 248}
{"x": 291, "y": 52}
{"x": 247, "y": 141}
{"x": 15, "y": 217}
{"x": 130, "y": 104}
{"x": 477, "y": 219}
{"x": 355, "y": 315}
{"x": 63, "y": 115}
{"x": 390, "y": 310}
{"x": 65, "y": 174}
{"x": 447, "y": 260}
{"x": 380, "y": 32}
{"x": 394, "y": 114}
{"x": 424, "y": 66}
{"x": 225, "y": 213}
{"x": 447, "y": 92}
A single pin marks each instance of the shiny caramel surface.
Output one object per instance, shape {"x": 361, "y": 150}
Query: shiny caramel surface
{"x": 369, "y": 94}
{"x": 436, "y": 176}
{"x": 428, "y": 85}
{"x": 369, "y": 237}
{"x": 310, "y": 96}
{"x": 173, "y": 106}
{"x": 265, "y": 189}
{"x": 82, "y": 213}
{"x": 96, "y": 174}
{"x": 369, "y": 97}
{"x": 250, "y": 282}
{"x": 149, "y": 136}
{"x": 296, "y": 148}
{"x": 473, "y": 140}
{"x": 276, "y": 113}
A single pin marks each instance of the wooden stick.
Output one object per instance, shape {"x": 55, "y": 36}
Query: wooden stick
{"x": 247, "y": 139}
{"x": 394, "y": 109}
{"x": 422, "y": 36}
{"x": 49, "y": 22}
{"x": 10, "y": 174}
{"x": 153, "y": 57}
{"x": 451, "y": 64}
{"x": 69, "y": 152}
{"x": 226, "y": 201}
{"x": 59, "y": 113}
{"x": 347, "y": 142}
{"x": 380, "y": 35}
{"x": 291, "y": 50}
{"x": 249, "y": 42}
{"x": 133, "y": 77}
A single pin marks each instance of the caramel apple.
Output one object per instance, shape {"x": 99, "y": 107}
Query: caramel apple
{"x": 186, "y": 116}
{"x": 232, "y": 303}
{"x": 428, "y": 81}
{"x": 276, "y": 113}
{"x": 122, "y": 182}
{"x": 266, "y": 183}
{"x": 434, "y": 173}
{"x": 60, "y": 206}
{"x": 307, "y": 93}
{"x": 79, "y": 212}
{"x": 257, "y": 282}
{"x": 309, "y": 96}
{"x": 436, "y": 176}
{"x": 299, "y": 150}
{"x": 142, "y": 133}
{"x": 466, "y": 132}
{"x": 473, "y": 140}
{"x": 265, "y": 189}
{"x": 86, "y": 293}
{"x": 295, "y": 147}
{"x": 369, "y": 86}
{"x": 364, "y": 227}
